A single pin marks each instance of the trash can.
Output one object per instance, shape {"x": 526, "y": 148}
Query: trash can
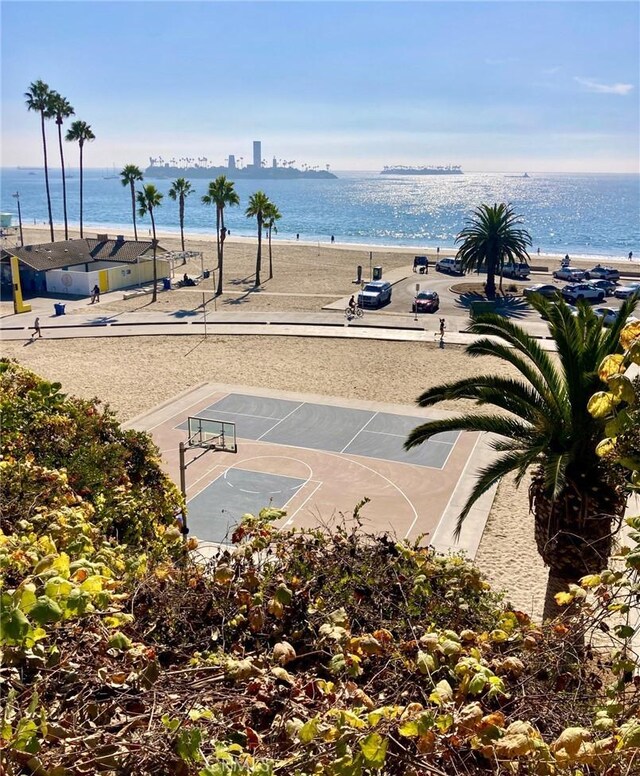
{"x": 59, "y": 308}
{"x": 377, "y": 273}
{"x": 166, "y": 284}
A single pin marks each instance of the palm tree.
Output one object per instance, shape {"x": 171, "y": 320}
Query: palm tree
{"x": 148, "y": 200}
{"x": 491, "y": 238}
{"x": 38, "y": 98}
{"x": 543, "y": 427}
{"x": 129, "y": 176}
{"x": 60, "y": 108}
{"x": 271, "y": 215}
{"x": 258, "y": 205}
{"x": 81, "y": 132}
{"x": 221, "y": 193}
{"x": 180, "y": 189}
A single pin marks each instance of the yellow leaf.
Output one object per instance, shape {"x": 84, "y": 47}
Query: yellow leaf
{"x": 622, "y": 388}
{"x": 562, "y": 599}
{"x": 605, "y": 447}
{"x": 442, "y": 693}
{"x": 590, "y": 580}
{"x": 570, "y": 740}
{"x": 630, "y": 334}
{"x": 609, "y": 366}
{"x": 601, "y": 404}
{"x": 514, "y": 745}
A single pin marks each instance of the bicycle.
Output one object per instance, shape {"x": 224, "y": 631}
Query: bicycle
{"x": 351, "y": 313}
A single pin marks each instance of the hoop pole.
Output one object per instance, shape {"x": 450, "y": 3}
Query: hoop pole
{"x": 183, "y": 489}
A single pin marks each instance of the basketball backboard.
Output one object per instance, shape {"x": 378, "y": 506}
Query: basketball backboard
{"x": 212, "y": 434}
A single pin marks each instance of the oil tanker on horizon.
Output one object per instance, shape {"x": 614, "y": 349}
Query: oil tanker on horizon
{"x": 431, "y": 169}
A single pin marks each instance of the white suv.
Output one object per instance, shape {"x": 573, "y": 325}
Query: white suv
{"x": 452, "y": 266}
{"x": 582, "y": 291}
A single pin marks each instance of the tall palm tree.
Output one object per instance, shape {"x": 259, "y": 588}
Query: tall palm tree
{"x": 60, "y": 108}
{"x": 491, "y": 238}
{"x": 38, "y": 99}
{"x": 221, "y": 193}
{"x": 180, "y": 190}
{"x": 271, "y": 215}
{"x": 129, "y": 176}
{"x": 80, "y": 132}
{"x": 543, "y": 427}
{"x": 148, "y": 200}
{"x": 258, "y": 204}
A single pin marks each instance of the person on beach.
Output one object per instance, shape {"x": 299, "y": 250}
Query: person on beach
{"x": 95, "y": 294}
{"x": 333, "y": 239}
{"x": 443, "y": 326}
{"x": 298, "y": 236}
{"x": 426, "y": 265}
{"x": 630, "y": 255}
{"x": 566, "y": 261}
{"x": 36, "y": 328}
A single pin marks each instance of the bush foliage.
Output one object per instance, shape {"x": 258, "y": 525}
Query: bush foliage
{"x": 300, "y": 652}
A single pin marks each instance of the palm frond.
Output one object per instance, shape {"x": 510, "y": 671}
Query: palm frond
{"x": 487, "y": 478}
{"x": 492, "y": 424}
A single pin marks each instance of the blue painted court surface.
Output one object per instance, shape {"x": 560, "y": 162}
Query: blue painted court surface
{"x": 329, "y": 428}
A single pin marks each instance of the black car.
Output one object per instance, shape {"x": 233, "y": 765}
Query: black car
{"x": 542, "y": 289}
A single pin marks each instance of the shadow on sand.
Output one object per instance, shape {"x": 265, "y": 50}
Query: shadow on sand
{"x": 508, "y": 306}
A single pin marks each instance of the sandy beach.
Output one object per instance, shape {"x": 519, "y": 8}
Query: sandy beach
{"x": 134, "y": 374}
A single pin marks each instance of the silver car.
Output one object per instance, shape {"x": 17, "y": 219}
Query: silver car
{"x": 626, "y": 291}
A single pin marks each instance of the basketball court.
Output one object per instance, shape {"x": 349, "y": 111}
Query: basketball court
{"x": 316, "y": 457}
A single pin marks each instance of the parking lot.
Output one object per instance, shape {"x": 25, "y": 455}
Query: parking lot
{"x": 452, "y": 305}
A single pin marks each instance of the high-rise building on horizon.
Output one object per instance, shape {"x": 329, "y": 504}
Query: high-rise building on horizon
{"x": 232, "y": 162}
{"x": 257, "y": 154}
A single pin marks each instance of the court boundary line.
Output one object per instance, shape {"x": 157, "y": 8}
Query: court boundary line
{"x": 358, "y": 432}
{"x": 288, "y": 415}
{"x": 318, "y": 483}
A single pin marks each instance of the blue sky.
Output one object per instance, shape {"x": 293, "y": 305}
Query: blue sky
{"x": 537, "y": 86}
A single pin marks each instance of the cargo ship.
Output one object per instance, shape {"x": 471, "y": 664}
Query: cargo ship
{"x": 398, "y": 169}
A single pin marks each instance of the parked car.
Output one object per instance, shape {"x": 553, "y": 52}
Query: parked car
{"x": 426, "y": 302}
{"x": 567, "y": 273}
{"x": 573, "y": 293}
{"x": 375, "y": 294}
{"x": 608, "y": 286}
{"x": 452, "y": 266}
{"x": 625, "y": 291}
{"x": 542, "y": 289}
{"x": 516, "y": 271}
{"x": 610, "y": 315}
{"x": 602, "y": 273}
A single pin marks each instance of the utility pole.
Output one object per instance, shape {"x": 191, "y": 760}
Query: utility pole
{"x": 17, "y": 197}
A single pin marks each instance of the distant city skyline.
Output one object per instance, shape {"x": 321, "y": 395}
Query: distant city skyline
{"x": 491, "y": 86}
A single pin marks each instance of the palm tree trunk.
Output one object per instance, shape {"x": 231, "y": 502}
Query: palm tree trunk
{"x": 46, "y": 175}
{"x": 154, "y": 296}
{"x": 555, "y": 584}
{"x": 64, "y": 184}
{"x": 133, "y": 210}
{"x": 270, "y": 261}
{"x": 220, "y": 241}
{"x": 81, "y": 184}
{"x": 491, "y": 280}
{"x": 184, "y": 259}
{"x": 259, "y": 256}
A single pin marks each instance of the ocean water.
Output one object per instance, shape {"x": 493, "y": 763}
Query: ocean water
{"x": 579, "y": 214}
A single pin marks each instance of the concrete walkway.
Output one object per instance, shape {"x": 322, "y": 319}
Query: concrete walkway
{"x": 88, "y": 321}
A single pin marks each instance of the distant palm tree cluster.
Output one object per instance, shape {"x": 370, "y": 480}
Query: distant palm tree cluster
{"x": 220, "y": 194}
{"x": 50, "y": 104}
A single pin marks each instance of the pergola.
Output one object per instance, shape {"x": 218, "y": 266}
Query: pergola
{"x": 183, "y": 256}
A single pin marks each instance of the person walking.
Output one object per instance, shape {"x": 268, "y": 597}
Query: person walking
{"x": 426, "y": 265}
{"x": 630, "y": 255}
{"x": 36, "y": 328}
{"x": 95, "y": 294}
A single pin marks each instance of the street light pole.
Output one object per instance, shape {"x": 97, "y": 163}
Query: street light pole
{"x": 17, "y": 197}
